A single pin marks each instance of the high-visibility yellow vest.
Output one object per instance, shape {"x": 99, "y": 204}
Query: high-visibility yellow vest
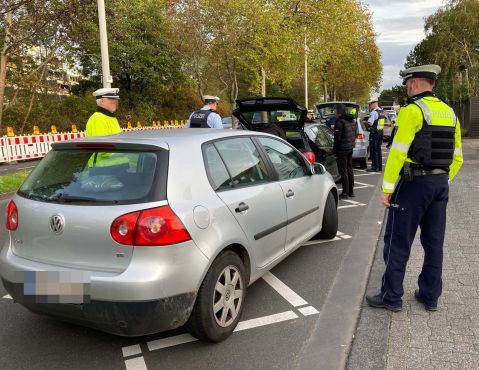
{"x": 424, "y": 112}
{"x": 100, "y": 124}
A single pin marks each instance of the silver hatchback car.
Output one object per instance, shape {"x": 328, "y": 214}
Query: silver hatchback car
{"x": 143, "y": 232}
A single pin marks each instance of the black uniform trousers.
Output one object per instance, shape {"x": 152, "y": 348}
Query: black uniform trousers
{"x": 421, "y": 202}
{"x": 344, "y": 160}
{"x": 375, "y": 141}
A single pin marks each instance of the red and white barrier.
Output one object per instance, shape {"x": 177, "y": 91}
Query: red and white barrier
{"x": 18, "y": 148}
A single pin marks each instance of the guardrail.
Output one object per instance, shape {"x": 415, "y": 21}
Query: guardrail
{"x": 19, "y": 148}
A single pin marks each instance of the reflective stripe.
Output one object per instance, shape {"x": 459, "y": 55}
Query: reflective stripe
{"x": 458, "y": 151}
{"x": 401, "y": 147}
{"x": 388, "y": 185}
{"x": 425, "y": 111}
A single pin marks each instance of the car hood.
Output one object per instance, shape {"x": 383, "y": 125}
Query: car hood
{"x": 255, "y": 113}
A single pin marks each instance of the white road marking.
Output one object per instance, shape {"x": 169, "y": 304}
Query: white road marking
{"x": 170, "y": 342}
{"x": 312, "y": 242}
{"x": 368, "y": 174}
{"x": 8, "y": 296}
{"x": 131, "y": 350}
{"x": 351, "y": 201}
{"x": 307, "y": 311}
{"x": 339, "y": 233}
{"x": 363, "y": 184}
{"x": 283, "y": 290}
{"x": 346, "y": 237}
{"x": 137, "y": 363}
{"x": 352, "y": 206}
{"x": 242, "y": 325}
{"x": 266, "y": 320}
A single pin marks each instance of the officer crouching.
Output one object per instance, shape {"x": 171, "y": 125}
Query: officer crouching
{"x": 206, "y": 117}
{"x": 426, "y": 153}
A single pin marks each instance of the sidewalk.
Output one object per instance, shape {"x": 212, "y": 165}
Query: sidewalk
{"x": 448, "y": 338}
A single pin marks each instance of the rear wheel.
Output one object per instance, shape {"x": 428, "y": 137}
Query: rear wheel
{"x": 330, "y": 219}
{"x": 220, "y": 299}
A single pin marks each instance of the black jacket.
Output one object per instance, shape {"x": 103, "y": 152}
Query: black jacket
{"x": 344, "y": 133}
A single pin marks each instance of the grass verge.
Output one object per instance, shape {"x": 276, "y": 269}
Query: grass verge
{"x": 12, "y": 181}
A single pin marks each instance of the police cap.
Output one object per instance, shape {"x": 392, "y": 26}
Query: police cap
{"x": 429, "y": 71}
{"x": 108, "y": 93}
{"x": 372, "y": 101}
{"x": 210, "y": 99}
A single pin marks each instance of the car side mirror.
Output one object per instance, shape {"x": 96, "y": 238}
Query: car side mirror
{"x": 317, "y": 169}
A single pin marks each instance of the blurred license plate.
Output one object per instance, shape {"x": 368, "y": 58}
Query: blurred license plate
{"x": 57, "y": 286}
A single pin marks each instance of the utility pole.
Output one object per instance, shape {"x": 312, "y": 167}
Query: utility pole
{"x": 306, "y": 52}
{"x": 106, "y": 78}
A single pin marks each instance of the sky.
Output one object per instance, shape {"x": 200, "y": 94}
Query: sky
{"x": 399, "y": 26}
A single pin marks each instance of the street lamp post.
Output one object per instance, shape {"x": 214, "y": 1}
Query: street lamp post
{"x": 306, "y": 52}
{"x": 107, "y": 79}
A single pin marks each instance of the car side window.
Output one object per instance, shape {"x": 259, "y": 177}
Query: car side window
{"x": 286, "y": 160}
{"x": 219, "y": 176}
{"x": 243, "y": 161}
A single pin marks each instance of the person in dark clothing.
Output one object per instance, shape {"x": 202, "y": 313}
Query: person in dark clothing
{"x": 344, "y": 141}
{"x": 271, "y": 128}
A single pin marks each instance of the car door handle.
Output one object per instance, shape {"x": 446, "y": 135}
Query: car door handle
{"x": 241, "y": 207}
{"x": 290, "y": 194}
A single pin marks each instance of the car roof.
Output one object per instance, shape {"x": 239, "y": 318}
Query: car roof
{"x": 160, "y": 137}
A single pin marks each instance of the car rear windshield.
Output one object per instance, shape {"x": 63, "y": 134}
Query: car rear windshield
{"x": 275, "y": 116}
{"x": 328, "y": 111}
{"x": 92, "y": 177}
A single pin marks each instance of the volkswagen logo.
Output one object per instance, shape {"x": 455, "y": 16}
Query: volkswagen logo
{"x": 57, "y": 223}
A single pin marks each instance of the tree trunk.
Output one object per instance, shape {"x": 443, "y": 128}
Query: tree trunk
{"x": 263, "y": 81}
{"x": 4, "y": 61}
{"x": 325, "y": 87}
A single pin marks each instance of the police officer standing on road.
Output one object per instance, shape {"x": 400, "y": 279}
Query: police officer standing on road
{"x": 376, "y": 126}
{"x": 426, "y": 153}
{"x": 344, "y": 141}
{"x": 206, "y": 117}
{"x": 103, "y": 121}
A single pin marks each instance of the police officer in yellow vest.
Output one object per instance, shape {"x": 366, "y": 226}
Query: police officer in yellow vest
{"x": 376, "y": 127}
{"x": 103, "y": 121}
{"x": 425, "y": 156}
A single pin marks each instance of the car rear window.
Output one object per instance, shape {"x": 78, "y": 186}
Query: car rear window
{"x": 92, "y": 177}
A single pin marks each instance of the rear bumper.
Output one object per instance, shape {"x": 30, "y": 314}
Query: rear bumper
{"x": 119, "y": 318}
{"x": 360, "y": 153}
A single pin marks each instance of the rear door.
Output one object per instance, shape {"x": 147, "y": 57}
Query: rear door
{"x": 68, "y": 203}
{"x": 301, "y": 190}
{"x": 244, "y": 182}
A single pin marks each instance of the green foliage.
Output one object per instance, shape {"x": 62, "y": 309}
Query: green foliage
{"x": 396, "y": 95}
{"x": 11, "y": 182}
{"x": 452, "y": 42}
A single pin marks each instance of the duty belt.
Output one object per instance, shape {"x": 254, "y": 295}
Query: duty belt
{"x": 436, "y": 171}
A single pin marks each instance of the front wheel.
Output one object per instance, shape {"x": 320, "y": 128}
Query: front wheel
{"x": 220, "y": 299}
{"x": 330, "y": 219}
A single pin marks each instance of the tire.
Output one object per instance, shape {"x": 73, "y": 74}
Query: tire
{"x": 204, "y": 323}
{"x": 330, "y": 219}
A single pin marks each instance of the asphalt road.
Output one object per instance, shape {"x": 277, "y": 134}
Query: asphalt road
{"x": 17, "y": 166}
{"x": 278, "y": 321}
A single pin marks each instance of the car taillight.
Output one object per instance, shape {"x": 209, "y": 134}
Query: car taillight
{"x": 150, "y": 227}
{"x": 310, "y": 156}
{"x": 387, "y": 125}
{"x": 12, "y": 216}
{"x": 361, "y": 136}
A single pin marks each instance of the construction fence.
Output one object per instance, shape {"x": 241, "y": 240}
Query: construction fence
{"x": 19, "y": 148}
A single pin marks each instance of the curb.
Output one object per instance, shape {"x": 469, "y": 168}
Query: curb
{"x": 331, "y": 338}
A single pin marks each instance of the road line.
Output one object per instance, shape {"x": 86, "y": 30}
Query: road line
{"x": 266, "y": 320}
{"x": 352, "y": 206}
{"x": 312, "y": 242}
{"x": 307, "y": 311}
{"x": 131, "y": 350}
{"x": 283, "y": 290}
{"x": 170, "y": 342}
{"x": 8, "y": 296}
{"x": 362, "y": 183}
{"x": 339, "y": 233}
{"x": 346, "y": 237}
{"x": 368, "y": 174}
{"x": 351, "y": 201}
{"x": 137, "y": 363}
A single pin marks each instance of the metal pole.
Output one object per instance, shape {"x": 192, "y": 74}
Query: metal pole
{"x": 306, "y": 51}
{"x": 105, "y": 62}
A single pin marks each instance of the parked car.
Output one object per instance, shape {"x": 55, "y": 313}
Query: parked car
{"x": 257, "y": 114}
{"x": 390, "y": 121}
{"x": 146, "y": 231}
{"x": 327, "y": 114}
{"x": 227, "y": 122}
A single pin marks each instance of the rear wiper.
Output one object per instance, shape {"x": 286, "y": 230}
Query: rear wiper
{"x": 64, "y": 198}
